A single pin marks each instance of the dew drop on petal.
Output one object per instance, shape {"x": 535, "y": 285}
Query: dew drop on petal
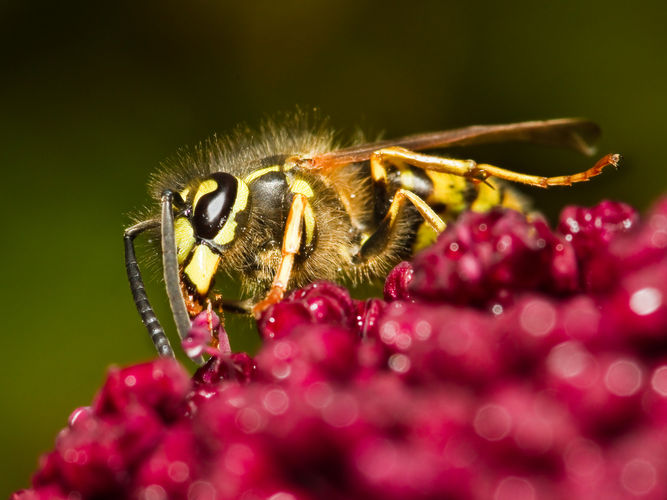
{"x": 623, "y": 377}
{"x": 569, "y": 359}
{"x": 645, "y": 301}
{"x": 282, "y": 349}
{"x": 659, "y": 381}
{"x": 130, "y": 381}
{"x": 153, "y": 492}
{"x": 281, "y": 370}
{"x": 399, "y": 363}
{"x": 504, "y": 243}
{"x": 659, "y": 239}
{"x": 403, "y": 341}
{"x": 178, "y": 471}
{"x": 389, "y": 331}
{"x": 249, "y": 420}
{"x": 423, "y": 330}
{"x": 70, "y": 456}
{"x": 492, "y": 422}
{"x": 341, "y": 411}
{"x": 202, "y": 490}
{"x": 396, "y": 308}
{"x": 319, "y": 394}
{"x": 282, "y": 495}
{"x": 79, "y": 414}
{"x": 276, "y": 401}
{"x": 538, "y": 317}
{"x": 514, "y": 488}
{"x": 638, "y": 476}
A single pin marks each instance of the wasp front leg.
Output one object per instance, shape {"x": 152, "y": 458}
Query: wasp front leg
{"x": 290, "y": 247}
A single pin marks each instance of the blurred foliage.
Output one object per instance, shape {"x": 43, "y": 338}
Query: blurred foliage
{"x": 95, "y": 94}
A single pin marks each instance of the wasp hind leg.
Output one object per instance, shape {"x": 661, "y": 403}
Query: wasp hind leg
{"x": 377, "y": 245}
{"x": 479, "y": 171}
{"x": 290, "y": 247}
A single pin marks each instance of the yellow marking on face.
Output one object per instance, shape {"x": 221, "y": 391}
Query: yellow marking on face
{"x": 448, "y": 190}
{"x": 202, "y": 267}
{"x": 258, "y": 173}
{"x": 302, "y": 187}
{"x": 228, "y": 230}
{"x": 309, "y": 219}
{"x": 184, "y": 194}
{"x": 185, "y": 238}
{"x": 208, "y": 186}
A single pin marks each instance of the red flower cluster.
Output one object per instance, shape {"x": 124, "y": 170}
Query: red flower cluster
{"x": 507, "y": 361}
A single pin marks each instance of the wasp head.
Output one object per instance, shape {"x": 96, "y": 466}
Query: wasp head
{"x": 213, "y": 212}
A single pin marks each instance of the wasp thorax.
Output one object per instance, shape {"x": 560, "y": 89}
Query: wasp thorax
{"x": 212, "y": 209}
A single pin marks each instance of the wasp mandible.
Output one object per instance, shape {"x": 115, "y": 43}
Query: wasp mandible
{"x": 284, "y": 206}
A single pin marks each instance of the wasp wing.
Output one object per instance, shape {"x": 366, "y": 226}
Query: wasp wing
{"x": 573, "y": 133}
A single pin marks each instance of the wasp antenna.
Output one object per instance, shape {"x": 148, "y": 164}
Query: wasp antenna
{"x": 170, "y": 268}
{"x": 144, "y": 307}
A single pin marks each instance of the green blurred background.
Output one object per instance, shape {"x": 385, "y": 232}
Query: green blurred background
{"x": 95, "y": 94}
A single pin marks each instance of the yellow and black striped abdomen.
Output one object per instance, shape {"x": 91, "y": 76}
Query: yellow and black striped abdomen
{"x": 450, "y": 195}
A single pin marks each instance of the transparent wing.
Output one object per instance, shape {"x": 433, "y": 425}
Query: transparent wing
{"x": 573, "y": 133}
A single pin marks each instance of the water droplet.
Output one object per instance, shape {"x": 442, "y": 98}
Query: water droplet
{"x": 659, "y": 381}
{"x": 399, "y": 363}
{"x": 497, "y": 309}
{"x": 514, "y": 488}
{"x": 623, "y": 377}
{"x": 638, "y": 476}
{"x": 276, "y": 401}
{"x": 492, "y": 422}
{"x": 645, "y": 301}
{"x": 538, "y": 317}
{"x": 178, "y": 471}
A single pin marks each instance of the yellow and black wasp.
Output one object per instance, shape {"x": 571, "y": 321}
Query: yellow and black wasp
{"x": 284, "y": 206}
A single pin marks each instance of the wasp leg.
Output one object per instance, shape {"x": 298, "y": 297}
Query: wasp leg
{"x": 144, "y": 307}
{"x": 376, "y": 243}
{"x": 233, "y": 306}
{"x": 170, "y": 266}
{"x": 481, "y": 172}
{"x": 170, "y": 270}
{"x": 291, "y": 244}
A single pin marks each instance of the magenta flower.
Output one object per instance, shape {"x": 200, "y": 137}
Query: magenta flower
{"x": 507, "y": 361}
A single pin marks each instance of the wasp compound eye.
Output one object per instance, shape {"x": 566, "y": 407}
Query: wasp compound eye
{"x": 213, "y": 208}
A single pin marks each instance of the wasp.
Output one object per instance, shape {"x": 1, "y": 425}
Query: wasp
{"x": 283, "y": 206}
